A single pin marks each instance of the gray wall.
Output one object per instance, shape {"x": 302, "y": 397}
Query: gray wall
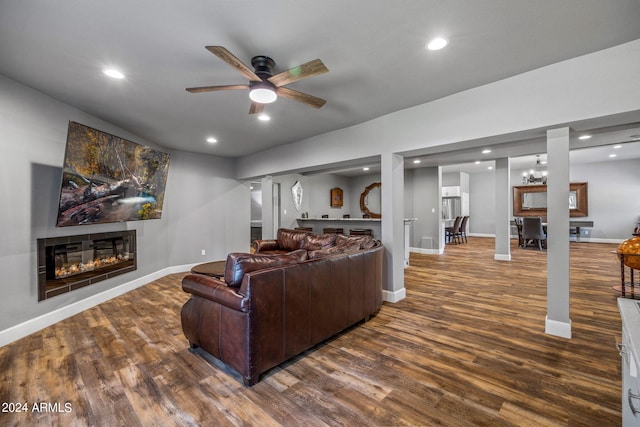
{"x": 612, "y": 205}
{"x": 320, "y": 195}
{"x": 422, "y": 190}
{"x": 614, "y": 202}
{"x": 482, "y": 203}
{"x": 316, "y": 199}
{"x": 197, "y": 213}
{"x": 357, "y": 185}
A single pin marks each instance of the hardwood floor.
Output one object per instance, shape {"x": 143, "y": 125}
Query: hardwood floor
{"x": 465, "y": 347}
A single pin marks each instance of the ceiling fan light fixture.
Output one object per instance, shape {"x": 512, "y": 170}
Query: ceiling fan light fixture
{"x": 262, "y": 94}
{"x": 113, "y": 73}
{"x": 437, "y": 43}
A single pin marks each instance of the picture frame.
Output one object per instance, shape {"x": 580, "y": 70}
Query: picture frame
{"x": 337, "y": 198}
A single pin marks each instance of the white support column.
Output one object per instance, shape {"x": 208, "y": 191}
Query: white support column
{"x": 503, "y": 210}
{"x": 558, "y": 322}
{"x": 392, "y": 175}
{"x": 267, "y": 208}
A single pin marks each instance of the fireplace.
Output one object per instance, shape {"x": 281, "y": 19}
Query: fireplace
{"x": 73, "y": 262}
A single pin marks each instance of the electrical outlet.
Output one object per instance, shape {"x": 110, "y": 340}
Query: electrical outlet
{"x": 285, "y": 211}
{"x": 433, "y": 210}
{"x": 204, "y": 252}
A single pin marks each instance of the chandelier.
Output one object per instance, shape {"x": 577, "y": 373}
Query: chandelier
{"x": 538, "y": 175}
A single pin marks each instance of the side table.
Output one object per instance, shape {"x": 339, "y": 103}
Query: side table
{"x": 213, "y": 269}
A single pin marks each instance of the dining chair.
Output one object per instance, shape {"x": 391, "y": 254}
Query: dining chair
{"x": 463, "y": 228}
{"x": 532, "y": 232}
{"x": 452, "y": 233}
{"x": 518, "y": 222}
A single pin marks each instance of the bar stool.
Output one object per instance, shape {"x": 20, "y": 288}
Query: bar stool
{"x": 360, "y": 232}
{"x": 330, "y": 230}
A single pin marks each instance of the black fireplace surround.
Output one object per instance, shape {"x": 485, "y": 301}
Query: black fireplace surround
{"x": 73, "y": 262}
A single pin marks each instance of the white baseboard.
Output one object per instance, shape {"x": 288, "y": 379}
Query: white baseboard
{"x": 394, "y": 296}
{"x": 502, "y": 257}
{"x": 21, "y": 330}
{"x": 482, "y": 235}
{"x": 426, "y": 251}
{"x": 559, "y": 329}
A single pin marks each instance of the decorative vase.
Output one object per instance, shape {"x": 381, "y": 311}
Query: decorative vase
{"x": 636, "y": 231}
{"x": 629, "y": 252}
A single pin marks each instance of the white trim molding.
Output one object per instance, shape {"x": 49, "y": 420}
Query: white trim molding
{"x": 559, "y": 329}
{"x": 437, "y": 251}
{"x": 394, "y": 296}
{"x": 502, "y": 257}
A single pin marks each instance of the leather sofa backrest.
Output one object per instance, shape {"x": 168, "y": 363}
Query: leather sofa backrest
{"x": 290, "y": 240}
{"x": 239, "y": 263}
{"x": 314, "y": 242}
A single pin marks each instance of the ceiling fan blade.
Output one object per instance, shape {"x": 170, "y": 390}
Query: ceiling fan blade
{"x": 215, "y": 88}
{"x": 309, "y": 69}
{"x": 256, "y": 108}
{"x": 232, "y": 60}
{"x": 305, "y": 98}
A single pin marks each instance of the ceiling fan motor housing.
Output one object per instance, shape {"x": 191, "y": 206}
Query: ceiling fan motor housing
{"x": 263, "y": 66}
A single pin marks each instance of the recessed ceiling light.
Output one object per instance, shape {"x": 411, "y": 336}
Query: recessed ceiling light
{"x": 617, "y": 146}
{"x": 477, "y": 162}
{"x": 264, "y": 117}
{"x": 365, "y": 168}
{"x": 612, "y": 155}
{"x": 583, "y": 137}
{"x": 113, "y": 73}
{"x": 437, "y": 43}
{"x": 417, "y": 161}
{"x": 486, "y": 151}
{"x": 211, "y": 140}
{"x": 490, "y": 167}
{"x": 635, "y": 137}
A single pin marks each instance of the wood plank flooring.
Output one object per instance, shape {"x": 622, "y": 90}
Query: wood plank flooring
{"x": 465, "y": 348}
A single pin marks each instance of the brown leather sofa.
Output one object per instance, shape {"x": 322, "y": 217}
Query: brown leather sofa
{"x": 271, "y": 307}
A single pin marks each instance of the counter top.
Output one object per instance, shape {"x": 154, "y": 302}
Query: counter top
{"x": 630, "y": 314}
{"x": 349, "y": 219}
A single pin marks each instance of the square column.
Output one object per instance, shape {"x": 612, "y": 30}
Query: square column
{"x": 392, "y": 221}
{"x": 503, "y": 210}
{"x": 558, "y": 322}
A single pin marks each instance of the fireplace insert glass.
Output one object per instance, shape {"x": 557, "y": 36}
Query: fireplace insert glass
{"x": 73, "y": 262}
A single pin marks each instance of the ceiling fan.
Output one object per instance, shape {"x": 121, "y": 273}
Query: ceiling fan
{"x": 264, "y": 87}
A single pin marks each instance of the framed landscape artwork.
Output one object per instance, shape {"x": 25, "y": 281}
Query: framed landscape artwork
{"x": 106, "y": 178}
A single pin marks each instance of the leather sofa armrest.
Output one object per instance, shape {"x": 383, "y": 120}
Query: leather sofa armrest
{"x": 265, "y": 245}
{"x": 215, "y": 290}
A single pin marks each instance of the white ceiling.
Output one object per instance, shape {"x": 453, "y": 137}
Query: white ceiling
{"x": 374, "y": 50}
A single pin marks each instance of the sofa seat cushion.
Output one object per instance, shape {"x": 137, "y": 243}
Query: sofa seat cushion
{"x": 314, "y": 242}
{"x": 342, "y": 248}
{"x": 239, "y": 263}
{"x": 365, "y": 242}
{"x": 290, "y": 240}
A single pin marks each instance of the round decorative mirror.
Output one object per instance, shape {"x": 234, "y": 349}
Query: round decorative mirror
{"x": 370, "y": 200}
